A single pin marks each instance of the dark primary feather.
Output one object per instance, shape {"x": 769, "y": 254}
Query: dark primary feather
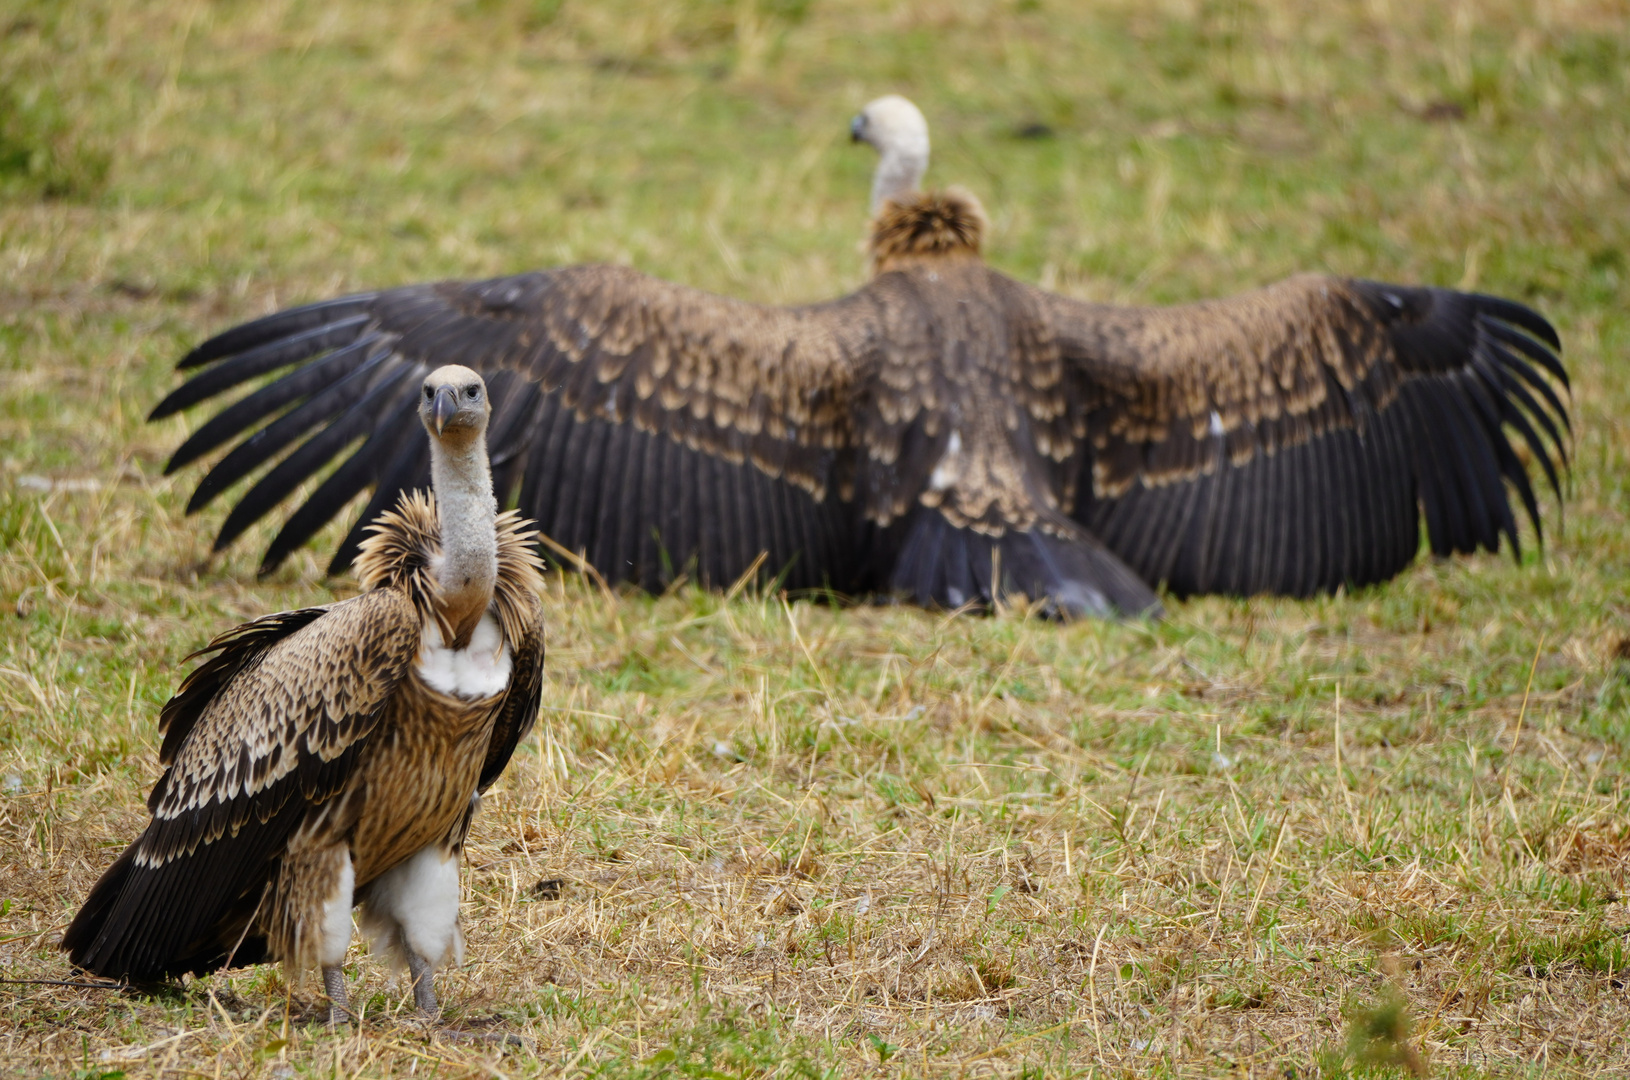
{"x": 1286, "y": 440}
{"x": 315, "y": 452}
{"x": 290, "y": 324}
{"x": 270, "y": 399}
{"x": 267, "y": 354}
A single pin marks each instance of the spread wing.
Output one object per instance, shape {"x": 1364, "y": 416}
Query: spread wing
{"x": 644, "y": 423}
{"x": 266, "y": 728}
{"x": 1288, "y": 439}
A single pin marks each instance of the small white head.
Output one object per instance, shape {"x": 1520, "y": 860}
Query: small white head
{"x": 895, "y": 128}
{"x": 453, "y": 404}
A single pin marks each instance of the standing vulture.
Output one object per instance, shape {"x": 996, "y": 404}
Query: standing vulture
{"x": 945, "y": 432}
{"x": 335, "y": 755}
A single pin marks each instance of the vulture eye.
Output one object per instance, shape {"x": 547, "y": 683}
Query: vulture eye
{"x": 472, "y": 392}
{"x": 429, "y": 393}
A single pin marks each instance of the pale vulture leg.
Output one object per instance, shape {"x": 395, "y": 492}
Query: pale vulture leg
{"x": 336, "y": 939}
{"x": 424, "y": 990}
{"x": 339, "y": 1005}
{"x": 411, "y": 912}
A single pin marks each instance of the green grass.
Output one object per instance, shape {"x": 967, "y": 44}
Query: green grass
{"x": 1258, "y": 838}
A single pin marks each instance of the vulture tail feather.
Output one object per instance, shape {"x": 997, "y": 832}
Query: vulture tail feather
{"x": 940, "y": 564}
{"x": 146, "y": 922}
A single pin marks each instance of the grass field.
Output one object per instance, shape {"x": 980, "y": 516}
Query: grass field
{"x": 1382, "y": 833}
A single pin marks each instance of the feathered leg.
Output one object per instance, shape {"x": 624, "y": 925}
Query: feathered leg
{"x": 410, "y": 913}
{"x": 309, "y": 925}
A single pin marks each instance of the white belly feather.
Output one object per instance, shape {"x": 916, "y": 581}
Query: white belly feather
{"x": 479, "y": 670}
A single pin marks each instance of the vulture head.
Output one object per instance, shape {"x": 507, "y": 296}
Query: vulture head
{"x": 453, "y": 405}
{"x": 895, "y": 128}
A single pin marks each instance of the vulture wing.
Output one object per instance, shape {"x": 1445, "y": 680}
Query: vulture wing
{"x": 520, "y": 708}
{"x": 266, "y": 728}
{"x": 520, "y": 613}
{"x": 1288, "y": 439}
{"x": 645, "y": 424}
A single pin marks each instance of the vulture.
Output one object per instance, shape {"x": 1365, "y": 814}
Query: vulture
{"x": 945, "y": 433}
{"x": 335, "y": 755}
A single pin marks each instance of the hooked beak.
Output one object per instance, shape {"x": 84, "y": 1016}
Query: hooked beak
{"x": 856, "y": 126}
{"x": 445, "y": 405}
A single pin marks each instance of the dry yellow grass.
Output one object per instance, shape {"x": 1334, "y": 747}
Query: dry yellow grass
{"x": 1358, "y": 834}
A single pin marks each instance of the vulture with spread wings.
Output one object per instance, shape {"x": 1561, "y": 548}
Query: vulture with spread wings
{"x": 945, "y": 433}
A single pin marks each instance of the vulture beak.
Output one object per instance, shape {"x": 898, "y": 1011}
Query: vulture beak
{"x": 856, "y": 127}
{"x": 445, "y": 406}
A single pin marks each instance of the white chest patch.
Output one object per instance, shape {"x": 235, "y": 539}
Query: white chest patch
{"x": 949, "y": 467}
{"x": 479, "y": 670}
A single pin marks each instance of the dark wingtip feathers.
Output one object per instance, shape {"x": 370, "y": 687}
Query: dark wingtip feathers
{"x": 269, "y": 328}
{"x": 1523, "y": 317}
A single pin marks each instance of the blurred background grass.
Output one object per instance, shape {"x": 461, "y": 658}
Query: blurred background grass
{"x": 1199, "y": 887}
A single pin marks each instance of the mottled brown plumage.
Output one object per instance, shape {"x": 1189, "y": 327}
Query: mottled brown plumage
{"x": 316, "y": 752}
{"x": 940, "y": 419}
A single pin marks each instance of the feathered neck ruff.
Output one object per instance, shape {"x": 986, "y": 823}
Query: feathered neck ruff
{"x": 406, "y": 541}
{"x": 926, "y": 226}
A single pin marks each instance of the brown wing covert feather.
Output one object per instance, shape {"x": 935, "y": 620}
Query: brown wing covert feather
{"x": 302, "y": 704}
